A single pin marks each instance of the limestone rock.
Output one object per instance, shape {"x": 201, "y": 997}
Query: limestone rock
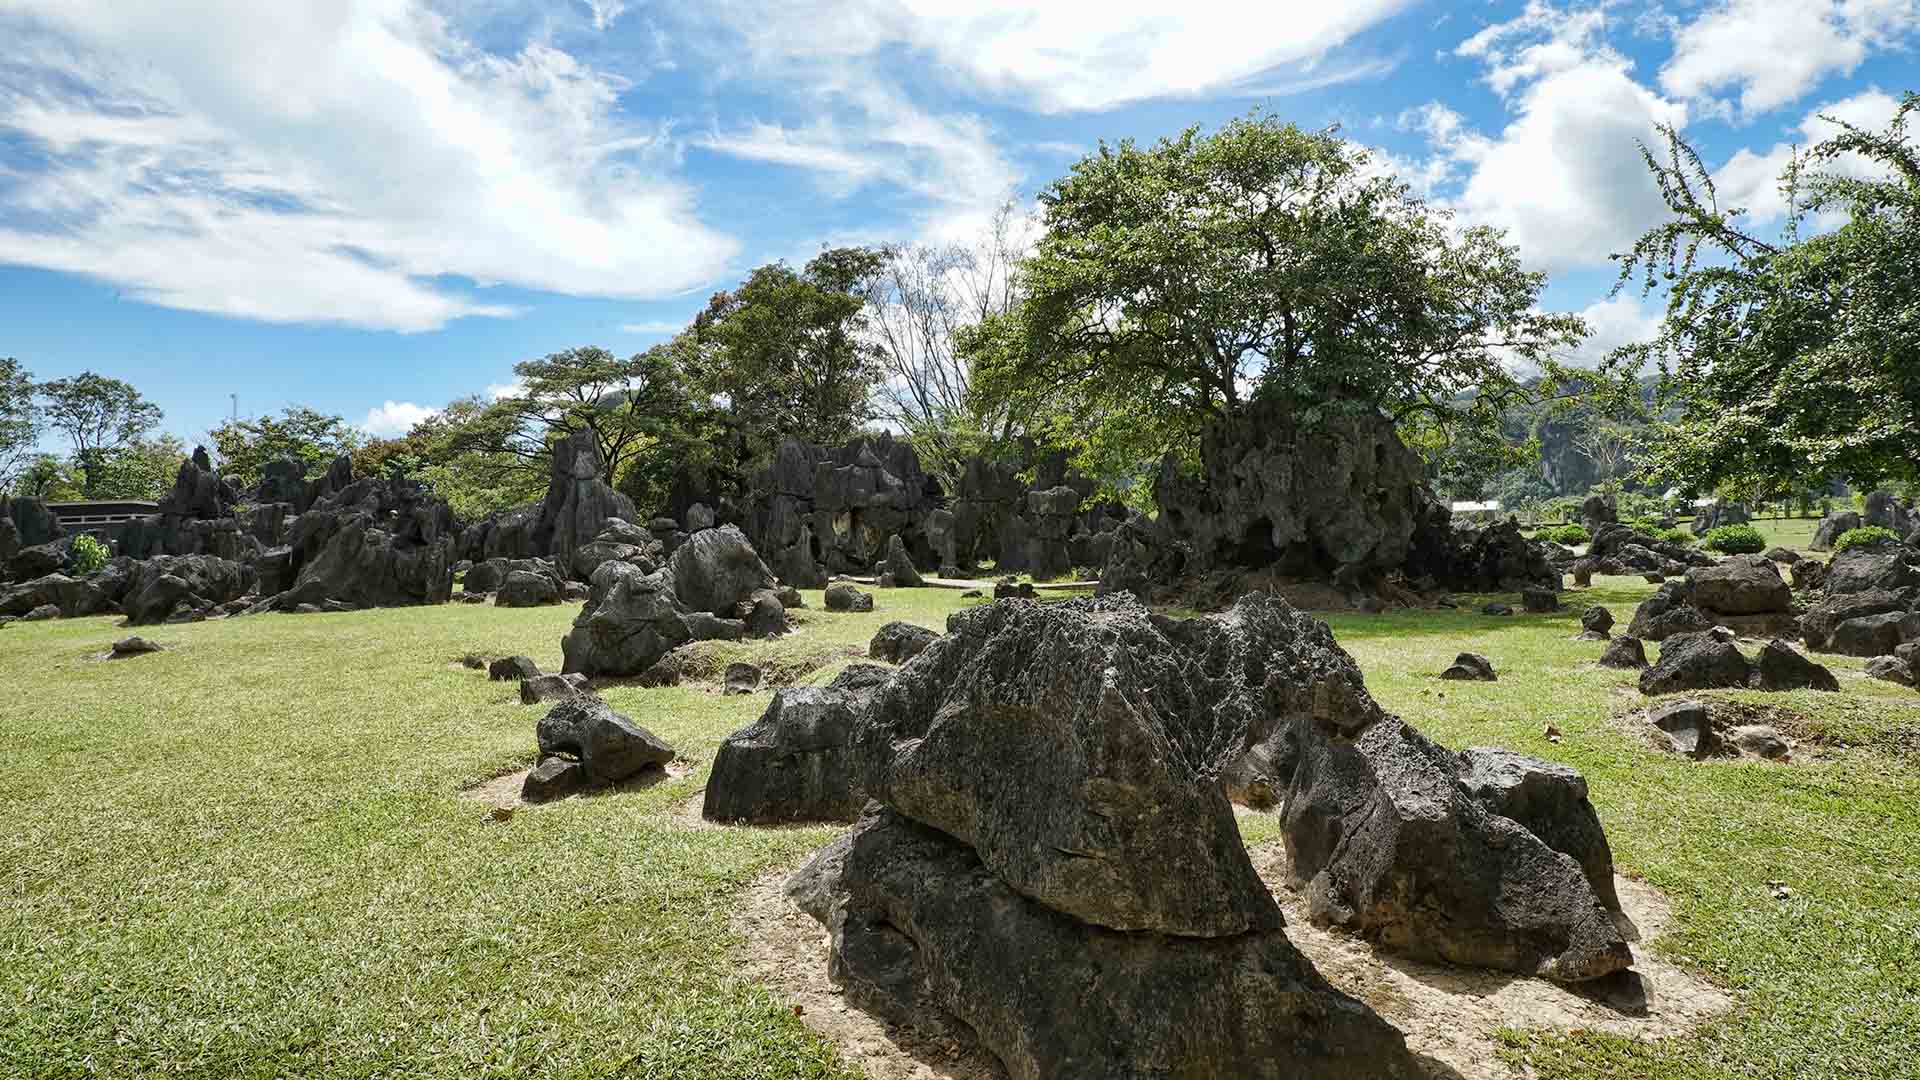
{"x": 609, "y": 746}
{"x": 1540, "y": 601}
{"x": 740, "y": 678}
{"x": 1740, "y": 585}
{"x": 842, "y": 596}
{"x": 1688, "y": 726}
{"x": 716, "y": 569}
{"x": 1781, "y": 667}
{"x": 1470, "y": 667}
{"x": 1625, "y": 653}
{"x": 545, "y": 689}
{"x": 524, "y": 589}
{"x": 1695, "y": 661}
{"x": 134, "y": 646}
{"x": 924, "y": 934}
{"x": 1551, "y": 801}
{"x": 169, "y": 584}
{"x": 898, "y": 642}
{"x": 513, "y": 669}
{"x": 632, "y": 622}
{"x": 553, "y": 778}
{"x": 1832, "y": 528}
{"x": 899, "y": 566}
{"x": 1596, "y": 623}
{"x": 793, "y": 764}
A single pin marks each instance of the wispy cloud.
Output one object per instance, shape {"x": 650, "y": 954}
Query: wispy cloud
{"x": 654, "y": 327}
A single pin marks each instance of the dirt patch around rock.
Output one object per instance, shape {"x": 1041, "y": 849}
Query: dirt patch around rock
{"x": 503, "y": 792}
{"x": 1450, "y": 1015}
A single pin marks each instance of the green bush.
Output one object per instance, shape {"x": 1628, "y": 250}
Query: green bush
{"x": 1569, "y": 534}
{"x": 1735, "y": 540}
{"x": 1675, "y": 536}
{"x": 89, "y": 555}
{"x": 1866, "y": 536}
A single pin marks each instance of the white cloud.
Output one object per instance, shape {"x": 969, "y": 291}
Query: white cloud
{"x": 1564, "y": 178}
{"x": 1751, "y": 179}
{"x": 605, "y": 12}
{"x": 1773, "y": 52}
{"x": 655, "y": 326}
{"x": 1623, "y": 319}
{"x": 329, "y": 162}
{"x": 394, "y": 418}
{"x": 1069, "y": 55}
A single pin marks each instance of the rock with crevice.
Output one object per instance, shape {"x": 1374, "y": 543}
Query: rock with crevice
{"x": 1551, "y": 800}
{"x": 1688, "y": 727}
{"x": 609, "y": 746}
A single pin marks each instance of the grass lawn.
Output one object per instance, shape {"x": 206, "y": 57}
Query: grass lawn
{"x": 246, "y": 856}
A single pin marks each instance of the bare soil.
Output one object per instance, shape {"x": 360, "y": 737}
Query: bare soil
{"x": 1450, "y": 1015}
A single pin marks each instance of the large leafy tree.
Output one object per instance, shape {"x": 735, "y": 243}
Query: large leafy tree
{"x": 141, "y": 469}
{"x": 98, "y": 415}
{"x": 1793, "y": 357}
{"x": 790, "y": 352}
{"x": 19, "y": 421}
{"x": 584, "y": 388}
{"x": 307, "y": 435}
{"x": 1176, "y": 284}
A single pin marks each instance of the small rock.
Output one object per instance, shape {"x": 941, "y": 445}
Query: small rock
{"x": 1596, "y": 624}
{"x": 1014, "y": 590}
{"x": 133, "y": 646}
{"x": 1470, "y": 667}
{"x": 1892, "y": 669}
{"x": 42, "y": 613}
{"x": 1784, "y": 556}
{"x": 1761, "y": 740}
{"x": 500, "y": 815}
{"x": 1496, "y": 608}
{"x": 1626, "y": 653}
{"x": 473, "y": 662}
{"x": 972, "y": 594}
{"x": 741, "y": 678}
{"x": 542, "y": 689}
{"x": 513, "y": 669}
{"x": 1781, "y": 667}
{"x": 1656, "y": 578}
{"x": 842, "y": 596}
{"x": 1688, "y": 725}
{"x": 554, "y": 778}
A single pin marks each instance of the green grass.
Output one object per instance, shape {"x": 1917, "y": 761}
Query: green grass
{"x": 246, "y": 856}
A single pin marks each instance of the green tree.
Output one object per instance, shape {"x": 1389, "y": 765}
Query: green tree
{"x": 19, "y": 421}
{"x": 98, "y": 415}
{"x": 1793, "y": 358}
{"x": 790, "y": 352}
{"x": 1176, "y": 284}
{"x": 49, "y": 477}
{"x": 620, "y": 401}
{"x": 141, "y": 469}
{"x": 307, "y": 435}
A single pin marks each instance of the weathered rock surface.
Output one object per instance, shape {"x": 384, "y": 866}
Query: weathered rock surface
{"x": 1688, "y": 726}
{"x": 1596, "y": 623}
{"x": 632, "y": 621}
{"x": 610, "y": 747}
{"x": 525, "y": 589}
{"x": 793, "y": 764}
{"x": 740, "y": 678}
{"x": 898, "y": 642}
{"x": 1882, "y": 567}
{"x": 1388, "y": 843}
{"x": 842, "y": 596}
{"x": 1067, "y": 745}
{"x": 1697, "y": 661}
{"x": 1470, "y": 667}
{"x": 1740, "y": 585}
{"x": 897, "y": 569}
{"x": 1540, "y": 601}
{"x": 1832, "y": 528}
{"x": 544, "y": 689}
{"x": 927, "y": 935}
{"x": 716, "y": 569}
{"x": 168, "y": 585}
{"x": 1822, "y": 622}
{"x": 1626, "y": 653}
{"x": 134, "y": 646}
{"x": 488, "y": 576}
{"x": 1779, "y": 666}
{"x": 1551, "y": 801}
{"x": 513, "y": 669}
{"x": 553, "y": 778}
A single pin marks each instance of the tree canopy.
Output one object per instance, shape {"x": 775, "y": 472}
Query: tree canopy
{"x": 1176, "y": 284}
{"x": 98, "y": 415}
{"x": 19, "y": 421}
{"x": 1797, "y": 357}
{"x": 309, "y": 436}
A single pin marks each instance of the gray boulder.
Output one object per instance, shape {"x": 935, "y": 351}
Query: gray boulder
{"x": 1388, "y": 843}
{"x": 554, "y": 778}
{"x": 1740, "y": 585}
{"x": 1760, "y": 740}
{"x": 716, "y": 569}
{"x": 794, "y": 763}
{"x": 1540, "y": 601}
{"x": 632, "y": 622}
{"x": 1832, "y": 528}
{"x": 1822, "y": 621}
{"x": 42, "y": 613}
{"x": 513, "y": 669}
{"x": 545, "y": 689}
{"x": 740, "y": 678}
{"x": 1688, "y": 726}
{"x": 1470, "y": 667}
{"x": 1779, "y": 666}
{"x": 1781, "y": 555}
{"x": 579, "y": 502}
{"x": 489, "y": 576}
{"x": 842, "y": 596}
{"x": 764, "y": 614}
{"x": 1894, "y": 669}
{"x": 1078, "y": 749}
{"x": 609, "y": 747}
{"x": 1596, "y": 623}
{"x": 1700, "y": 661}
{"x": 134, "y": 646}
{"x": 1668, "y": 612}
{"x": 1625, "y": 653}
{"x": 926, "y": 935}
{"x": 898, "y": 566}
{"x": 898, "y": 642}
{"x": 524, "y": 589}
{"x": 1874, "y": 635}
{"x": 1882, "y": 567}
{"x": 1551, "y": 801}
{"x": 161, "y": 587}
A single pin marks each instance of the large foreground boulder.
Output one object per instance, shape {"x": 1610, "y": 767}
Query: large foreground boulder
{"x": 926, "y": 934}
{"x": 794, "y": 763}
{"x": 1551, "y": 801}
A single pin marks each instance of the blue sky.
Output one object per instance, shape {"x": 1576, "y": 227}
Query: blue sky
{"x": 375, "y": 206}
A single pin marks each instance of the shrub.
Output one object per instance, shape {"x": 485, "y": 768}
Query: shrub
{"x": 1863, "y": 537}
{"x": 1567, "y": 534}
{"x": 1735, "y": 540}
{"x": 88, "y": 556}
{"x": 1675, "y": 536}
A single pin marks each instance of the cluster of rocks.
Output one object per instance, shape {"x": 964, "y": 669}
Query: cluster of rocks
{"x": 1048, "y": 854}
{"x": 1693, "y": 727}
{"x": 569, "y": 526}
{"x": 584, "y": 744}
{"x": 1867, "y": 604}
{"x": 1621, "y": 550}
{"x": 714, "y": 586}
{"x": 1709, "y": 659}
{"x": 1744, "y": 593}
